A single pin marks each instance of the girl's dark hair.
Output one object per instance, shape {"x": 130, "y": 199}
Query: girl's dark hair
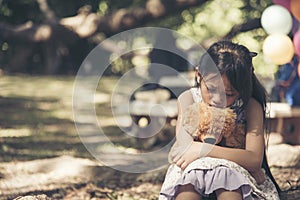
{"x": 235, "y": 61}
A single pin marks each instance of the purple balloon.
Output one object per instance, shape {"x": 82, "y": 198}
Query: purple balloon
{"x": 284, "y": 3}
{"x": 296, "y": 41}
{"x": 296, "y": 25}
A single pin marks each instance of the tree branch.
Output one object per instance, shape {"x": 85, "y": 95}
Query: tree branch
{"x": 30, "y": 32}
{"x": 153, "y": 10}
{"x": 251, "y": 24}
{"x": 86, "y": 23}
{"x": 49, "y": 14}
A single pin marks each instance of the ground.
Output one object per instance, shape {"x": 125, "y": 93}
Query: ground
{"x": 43, "y": 156}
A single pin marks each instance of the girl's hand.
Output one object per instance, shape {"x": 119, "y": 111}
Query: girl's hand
{"x": 259, "y": 176}
{"x": 193, "y": 152}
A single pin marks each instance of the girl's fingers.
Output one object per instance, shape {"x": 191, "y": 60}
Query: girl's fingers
{"x": 176, "y": 159}
{"x": 183, "y": 165}
{"x": 179, "y": 162}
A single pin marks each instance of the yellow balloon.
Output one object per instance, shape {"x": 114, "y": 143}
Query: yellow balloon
{"x": 278, "y": 48}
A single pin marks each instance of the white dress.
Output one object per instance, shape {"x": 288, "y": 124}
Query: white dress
{"x": 208, "y": 174}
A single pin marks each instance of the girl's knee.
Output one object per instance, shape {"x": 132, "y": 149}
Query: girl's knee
{"x": 226, "y": 194}
{"x": 187, "y": 192}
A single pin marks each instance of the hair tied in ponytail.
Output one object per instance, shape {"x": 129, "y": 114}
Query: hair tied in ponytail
{"x": 253, "y": 54}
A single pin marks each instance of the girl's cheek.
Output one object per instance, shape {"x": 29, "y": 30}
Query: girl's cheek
{"x": 230, "y": 101}
{"x": 207, "y": 98}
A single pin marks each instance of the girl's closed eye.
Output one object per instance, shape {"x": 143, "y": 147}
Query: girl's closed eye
{"x": 211, "y": 89}
{"x": 231, "y": 94}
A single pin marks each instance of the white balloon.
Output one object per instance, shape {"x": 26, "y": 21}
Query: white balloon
{"x": 276, "y": 19}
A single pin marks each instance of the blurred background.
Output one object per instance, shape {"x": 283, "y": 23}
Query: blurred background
{"x": 42, "y": 46}
{"x": 53, "y": 37}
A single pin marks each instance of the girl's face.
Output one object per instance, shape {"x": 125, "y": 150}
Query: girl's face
{"x": 213, "y": 92}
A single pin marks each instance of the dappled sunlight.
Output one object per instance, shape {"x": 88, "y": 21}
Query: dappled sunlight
{"x": 111, "y": 149}
{"x": 101, "y": 98}
{"x": 23, "y": 132}
{"x": 46, "y": 96}
{"x": 50, "y": 175}
{"x": 34, "y": 86}
{"x": 37, "y": 119}
{"x": 55, "y": 87}
{"x": 111, "y": 121}
{"x": 43, "y": 33}
{"x": 214, "y": 19}
{"x": 63, "y": 114}
{"x": 45, "y": 174}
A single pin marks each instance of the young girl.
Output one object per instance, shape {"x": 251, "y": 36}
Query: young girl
{"x": 225, "y": 78}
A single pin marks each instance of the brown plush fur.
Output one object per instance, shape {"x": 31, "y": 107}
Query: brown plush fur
{"x": 202, "y": 121}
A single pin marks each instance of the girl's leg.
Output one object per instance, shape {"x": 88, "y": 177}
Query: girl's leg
{"x": 187, "y": 192}
{"x": 232, "y": 195}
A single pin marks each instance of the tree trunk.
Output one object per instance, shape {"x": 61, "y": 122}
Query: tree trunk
{"x": 20, "y": 58}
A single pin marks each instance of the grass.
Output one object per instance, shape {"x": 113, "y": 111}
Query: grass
{"x": 36, "y": 122}
{"x": 36, "y": 118}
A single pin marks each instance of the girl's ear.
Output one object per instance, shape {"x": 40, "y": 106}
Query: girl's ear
{"x": 197, "y": 75}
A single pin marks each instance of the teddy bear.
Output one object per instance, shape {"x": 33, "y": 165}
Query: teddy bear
{"x": 210, "y": 124}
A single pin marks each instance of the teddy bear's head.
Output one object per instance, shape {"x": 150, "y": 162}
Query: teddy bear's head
{"x": 207, "y": 123}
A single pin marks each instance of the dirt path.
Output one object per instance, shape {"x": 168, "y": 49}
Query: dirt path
{"x": 67, "y": 177}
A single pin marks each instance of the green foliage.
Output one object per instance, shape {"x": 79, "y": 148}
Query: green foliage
{"x": 216, "y": 18}
{"x": 254, "y": 40}
{"x": 114, "y": 5}
{"x": 254, "y": 8}
{"x": 103, "y": 8}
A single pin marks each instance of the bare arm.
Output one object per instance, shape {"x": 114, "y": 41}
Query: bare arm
{"x": 183, "y": 139}
{"x": 251, "y": 157}
{"x": 184, "y": 100}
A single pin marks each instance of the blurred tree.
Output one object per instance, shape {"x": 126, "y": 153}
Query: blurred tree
{"x": 40, "y": 36}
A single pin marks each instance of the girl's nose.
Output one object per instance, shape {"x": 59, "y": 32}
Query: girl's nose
{"x": 218, "y": 100}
